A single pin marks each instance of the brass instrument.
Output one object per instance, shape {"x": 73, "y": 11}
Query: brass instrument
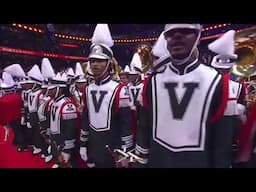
{"x": 245, "y": 68}
{"x": 251, "y": 95}
{"x": 116, "y": 69}
{"x": 144, "y": 51}
{"x": 84, "y": 67}
{"x": 246, "y": 63}
{"x": 86, "y": 70}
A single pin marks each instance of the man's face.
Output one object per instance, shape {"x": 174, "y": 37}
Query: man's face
{"x": 52, "y": 92}
{"x": 43, "y": 90}
{"x": 133, "y": 77}
{"x": 98, "y": 66}
{"x": 27, "y": 86}
{"x": 124, "y": 77}
{"x": 180, "y": 42}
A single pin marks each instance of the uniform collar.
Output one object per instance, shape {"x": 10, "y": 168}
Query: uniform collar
{"x": 59, "y": 98}
{"x": 183, "y": 69}
{"x": 103, "y": 81}
{"x": 36, "y": 89}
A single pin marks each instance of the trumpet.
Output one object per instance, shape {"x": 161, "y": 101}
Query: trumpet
{"x": 124, "y": 159}
{"x": 146, "y": 57}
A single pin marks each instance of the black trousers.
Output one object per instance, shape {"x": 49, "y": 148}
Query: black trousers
{"x": 38, "y": 139}
{"x": 19, "y": 134}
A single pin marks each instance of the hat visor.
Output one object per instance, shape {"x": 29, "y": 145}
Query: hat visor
{"x": 51, "y": 86}
{"x": 44, "y": 86}
{"x": 134, "y": 73}
{"x": 7, "y": 87}
{"x": 222, "y": 66}
{"x": 27, "y": 81}
{"x": 95, "y": 56}
{"x": 81, "y": 81}
{"x": 181, "y": 26}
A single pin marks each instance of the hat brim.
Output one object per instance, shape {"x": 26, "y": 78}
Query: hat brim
{"x": 51, "y": 86}
{"x": 81, "y": 81}
{"x": 44, "y": 86}
{"x": 95, "y": 56}
{"x": 28, "y": 81}
{"x": 182, "y": 26}
{"x": 222, "y": 66}
{"x": 7, "y": 87}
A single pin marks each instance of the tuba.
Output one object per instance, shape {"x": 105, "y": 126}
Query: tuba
{"x": 246, "y": 63}
{"x": 245, "y": 68}
{"x": 145, "y": 53}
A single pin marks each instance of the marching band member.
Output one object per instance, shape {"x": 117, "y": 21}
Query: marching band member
{"x": 63, "y": 122}
{"x": 106, "y": 119}
{"x": 124, "y": 75}
{"x": 80, "y": 83}
{"x": 171, "y": 132}
{"x": 45, "y": 105}
{"x": 34, "y": 97}
{"x": 224, "y": 47}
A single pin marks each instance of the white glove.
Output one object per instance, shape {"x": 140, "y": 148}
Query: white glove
{"x": 240, "y": 109}
{"x": 83, "y": 153}
{"x": 22, "y": 121}
{"x": 6, "y": 132}
{"x": 49, "y": 149}
{"x": 66, "y": 156}
{"x": 48, "y": 131}
{"x": 29, "y": 125}
{"x": 243, "y": 118}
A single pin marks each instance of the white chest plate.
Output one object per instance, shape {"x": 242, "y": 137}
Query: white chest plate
{"x": 100, "y": 100}
{"x": 33, "y": 100}
{"x": 180, "y": 107}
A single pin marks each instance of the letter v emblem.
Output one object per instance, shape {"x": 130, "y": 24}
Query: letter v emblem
{"x": 98, "y": 103}
{"x": 178, "y": 109}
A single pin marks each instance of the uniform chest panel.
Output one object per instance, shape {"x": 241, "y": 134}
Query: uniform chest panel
{"x": 56, "y": 116}
{"x": 100, "y": 100}
{"x": 135, "y": 92}
{"x": 180, "y": 107}
{"x": 33, "y": 101}
{"x": 42, "y": 108}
